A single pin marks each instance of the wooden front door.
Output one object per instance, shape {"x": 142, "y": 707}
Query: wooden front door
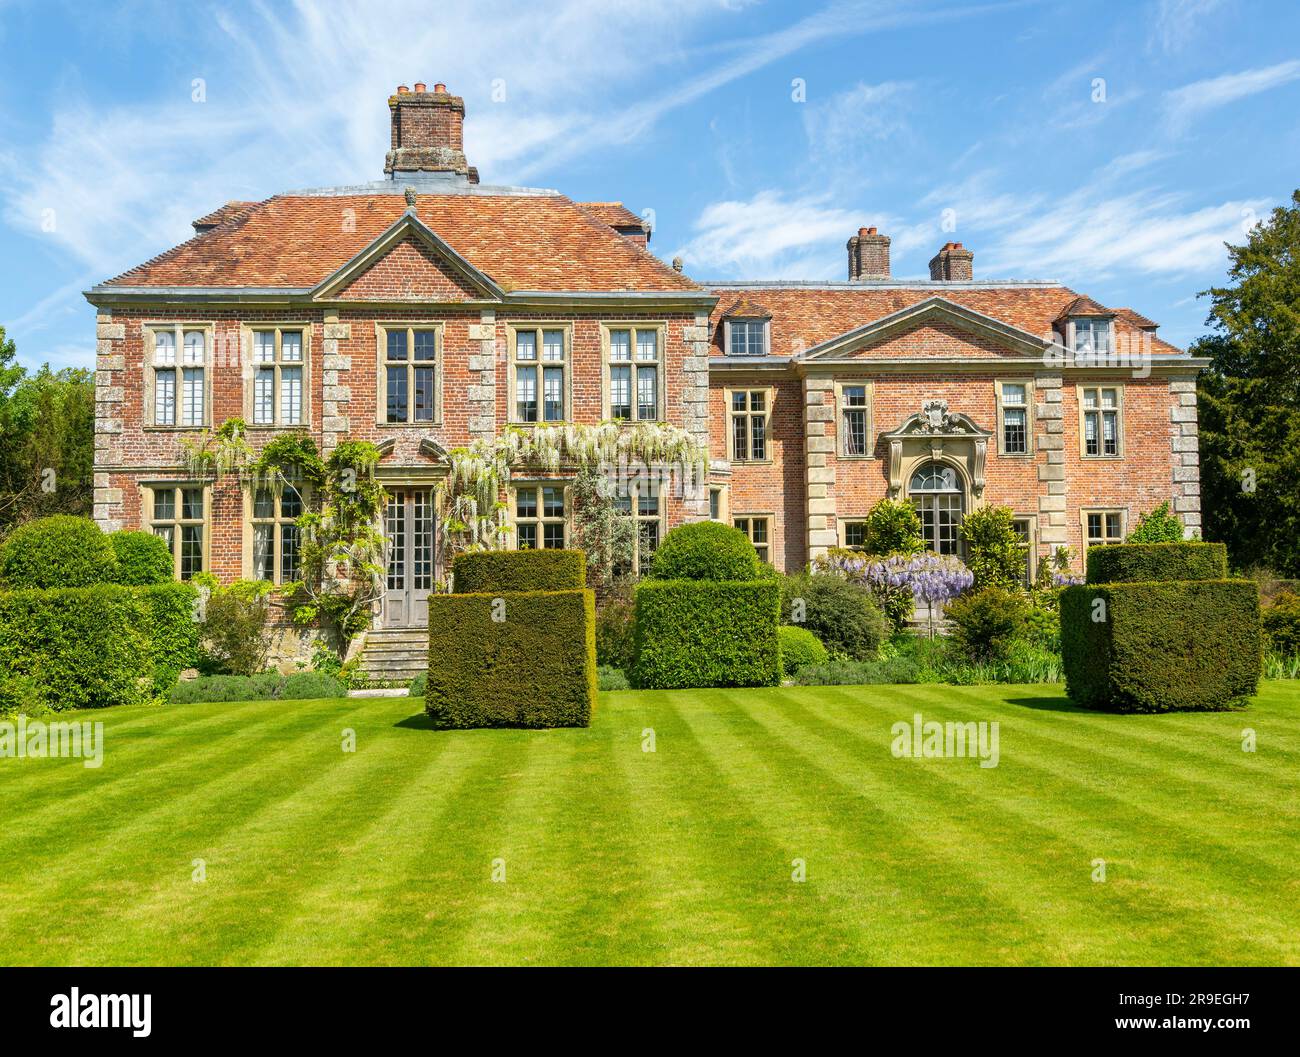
{"x": 410, "y": 530}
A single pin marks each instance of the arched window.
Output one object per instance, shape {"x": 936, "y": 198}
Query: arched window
{"x": 936, "y": 492}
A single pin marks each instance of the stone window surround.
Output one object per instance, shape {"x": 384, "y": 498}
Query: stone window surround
{"x": 149, "y": 329}
{"x": 512, "y": 508}
{"x": 769, "y": 399}
{"x": 634, "y": 493}
{"x": 1103, "y": 510}
{"x": 661, "y": 346}
{"x": 147, "y": 488}
{"x": 381, "y": 381}
{"x": 247, "y": 330}
{"x": 1120, "y": 431}
{"x": 768, "y": 516}
{"x": 1028, "y": 383}
{"x": 840, "y": 407}
{"x": 513, "y": 328}
{"x": 247, "y": 548}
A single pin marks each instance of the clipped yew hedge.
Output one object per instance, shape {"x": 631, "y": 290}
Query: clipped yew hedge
{"x": 512, "y": 659}
{"x": 526, "y": 570}
{"x": 1189, "y": 645}
{"x": 83, "y": 647}
{"x": 172, "y": 630}
{"x": 700, "y": 633}
{"x": 1134, "y": 562}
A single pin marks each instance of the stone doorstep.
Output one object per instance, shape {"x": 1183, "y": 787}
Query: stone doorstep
{"x": 381, "y": 691}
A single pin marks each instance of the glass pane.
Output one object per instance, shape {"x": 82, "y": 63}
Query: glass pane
{"x": 855, "y": 395}
{"x": 553, "y": 501}
{"x": 739, "y": 401}
{"x": 192, "y": 396}
{"x": 191, "y": 504}
{"x": 649, "y": 539}
{"x": 168, "y": 535}
{"x": 526, "y": 394}
{"x": 290, "y": 504}
{"x": 164, "y": 397}
{"x": 553, "y": 345}
{"x": 191, "y": 550}
{"x": 525, "y": 345}
{"x": 194, "y": 344}
{"x": 1013, "y": 425}
{"x": 264, "y": 504}
{"x": 164, "y": 505}
{"x": 426, "y": 344}
{"x": 397, "y": 394}
{"x": 1094, "y": 526}
{"x": 289, "y": 540}
{"x": 620, "y": 392}
{"x": 758, "y": 401}
{"x": 553, "y": 393}
{"x": 1112, "y": 527}
{"x": 263, "y": 551}
{"x": 264, "y": 396}
{"x": 855, "y": 432}
{"x": 739, "y": 339}
{"x": 290, "y": 395}
{"x": 758, "y": 437}
{"x": 759, "y": 530}
{"x": 620, "y": 344}
{"x": 423, "y": 541}
{"x": 647, "y": 345}
{"x": 715, "y": 504}
{"x": 263, "y": 346}
{"x": 1108, "y": 398}
{"x": 647, "y": 504}
{"x": 855, "y": 534}
{"x": 164, "y": 348}
{"x": 526, "y": 502}
{"x": 395, "y": 519}
{"x": 553, "y": 536}
{"x": 740, "y": 437}
{"x": 397, "y": 344}
{"x": 527, "y": 535}
{"x": 424, "y": 394}
{"x": 1013, "y": 394}
{"x": 1090, "y": 398}
{"x": 291, "y": 346}
{"x": 647, "y": 393}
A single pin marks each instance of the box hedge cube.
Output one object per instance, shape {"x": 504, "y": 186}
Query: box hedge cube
{"x": 1134, "y": 562}
{"x": 700, "y": 633}
{"x": 1184, "y": 645}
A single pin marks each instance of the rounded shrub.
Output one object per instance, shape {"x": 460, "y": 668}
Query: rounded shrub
{"x": 706, "y": 550}
{"x": 1281, "y": 623}
{"x": 142, "y": 558}
{"x": 799, "y": 648}
{"x": 842, "y": 615}
{"x": 310, "y": 686}
{"x": 985, "y": 624}
{"x": 419, "y": 684}
{"x": 58, "y": 551}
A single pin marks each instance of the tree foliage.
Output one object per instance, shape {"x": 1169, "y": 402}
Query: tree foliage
{"x": 994, "y": 552}
{"x": 1249, "y": 399}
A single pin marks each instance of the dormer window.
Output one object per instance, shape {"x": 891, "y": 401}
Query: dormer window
{"x": 747, "y": 337}
{"x": 1091, "y": 336}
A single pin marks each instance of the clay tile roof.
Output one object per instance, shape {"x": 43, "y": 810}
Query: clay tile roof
{"x": 1136, "y": 318}
{"x": 613, "y": 214}
{"x": 219, "y": 216}
{"x": 522, "y": 241}
{"x": 744, "y": 308}
{"x": 1085, "y": 306}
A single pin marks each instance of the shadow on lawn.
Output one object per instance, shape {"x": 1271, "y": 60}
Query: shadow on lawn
{"x": 1048, "y": 704}
{"x": 419, "y": 721}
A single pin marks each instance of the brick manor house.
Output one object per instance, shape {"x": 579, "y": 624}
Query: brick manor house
{"x": 426, "y": 309}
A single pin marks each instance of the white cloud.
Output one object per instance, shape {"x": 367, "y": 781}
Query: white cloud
{"x": 847, "y": 124}
{"x": 1179, "y": 21}
{"x": 1184, "y": 104}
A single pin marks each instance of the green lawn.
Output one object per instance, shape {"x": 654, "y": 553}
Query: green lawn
{"x": 684, "y": 855}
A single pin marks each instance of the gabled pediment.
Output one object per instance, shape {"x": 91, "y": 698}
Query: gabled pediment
{"x": 408, "y": 262}
{"x": 429, "y": 448}
{"x": 937, "y": 314}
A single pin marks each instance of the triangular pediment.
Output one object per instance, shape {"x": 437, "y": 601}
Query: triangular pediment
{"x": 934, "y": 327}
{"x": 408, "y": 262}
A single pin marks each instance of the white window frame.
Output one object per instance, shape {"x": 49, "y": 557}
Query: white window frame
{"x": 1093, "y": 325}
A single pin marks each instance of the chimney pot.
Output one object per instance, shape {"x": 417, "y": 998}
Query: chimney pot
{"x": 440, "y": 88}
{"x": 402, "y": 89}
{"x": 868, "y": 255}
{"x": 953, "y": 263}
{"x": 420, "y": 86}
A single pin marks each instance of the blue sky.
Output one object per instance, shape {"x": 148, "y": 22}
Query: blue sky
{"x": 1112, "y": 146}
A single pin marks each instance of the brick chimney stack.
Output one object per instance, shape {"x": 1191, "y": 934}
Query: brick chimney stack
{"x": 952, "y": 264}
{"x": 427, "y": 133}
{"x": 868, "y": 255}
